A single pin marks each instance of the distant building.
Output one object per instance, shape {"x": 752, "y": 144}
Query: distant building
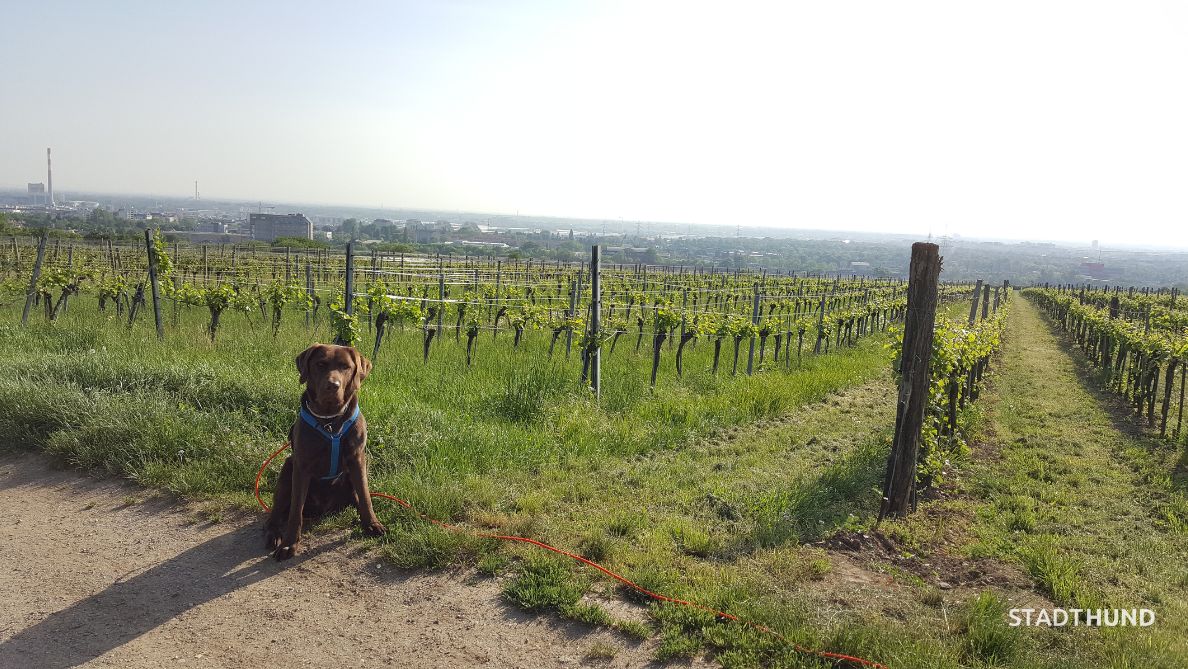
{"x": 37, "y": 196}
{"x": 152, "y": 216}
{"x": 267, "y": 227}
{"x": 418, "y": 232}
{"x": 1098, "y": 271}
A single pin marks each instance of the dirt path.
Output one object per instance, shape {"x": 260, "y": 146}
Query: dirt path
{"x": 87, "y": 579}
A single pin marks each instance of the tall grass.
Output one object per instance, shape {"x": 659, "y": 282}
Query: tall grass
{"x": 106, "y": 396}
{"x": 510, "y": 443}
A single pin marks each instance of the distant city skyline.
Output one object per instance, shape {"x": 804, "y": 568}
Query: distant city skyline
{"x": 1042, "y": 120}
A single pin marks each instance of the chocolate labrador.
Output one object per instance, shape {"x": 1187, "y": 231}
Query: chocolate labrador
{"x": 327, "y": 470}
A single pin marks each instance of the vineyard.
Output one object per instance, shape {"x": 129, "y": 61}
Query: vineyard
{"x": 709, "y": 433}
{"x": 1139, "y": 342}
{"x": 444, "y": 298}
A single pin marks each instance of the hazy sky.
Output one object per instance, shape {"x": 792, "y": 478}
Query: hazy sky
{"x": 1060, "y": 120}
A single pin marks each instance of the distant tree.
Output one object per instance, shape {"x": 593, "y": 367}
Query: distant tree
{"x": 299, "y": 243}
{"x": 349, "y": 229}
{"x": 395, "y": 247}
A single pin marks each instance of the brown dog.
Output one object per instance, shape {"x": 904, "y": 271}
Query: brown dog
{"x": 313, "y": 482}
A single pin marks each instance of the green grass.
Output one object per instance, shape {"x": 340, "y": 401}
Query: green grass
{"x": 668, "y": 486}
{"x": 106, "y": 397}
{"x": 987, "y": 639}
{"x": 712, "y": 488}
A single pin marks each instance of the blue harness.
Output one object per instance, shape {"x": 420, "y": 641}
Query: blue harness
{"x": 334, "y": 439}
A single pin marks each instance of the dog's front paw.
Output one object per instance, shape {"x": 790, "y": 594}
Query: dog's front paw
{"x": 272, "y": 538}
{"x": 285, "y": 552}
{"x": 374, "y": 529}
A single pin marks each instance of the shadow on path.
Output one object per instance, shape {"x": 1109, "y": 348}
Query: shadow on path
{"x": 128, "y": 609}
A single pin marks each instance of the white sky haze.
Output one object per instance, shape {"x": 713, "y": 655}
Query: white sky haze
{"x": 1036, "y": 119}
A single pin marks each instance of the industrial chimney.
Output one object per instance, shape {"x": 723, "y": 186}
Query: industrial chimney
{"x": 49, "y": 170}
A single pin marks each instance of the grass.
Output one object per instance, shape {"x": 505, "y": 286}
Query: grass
{"x": 987, "y": 640}
{"x": 668, "y": 487}
{"x": 711, "y": 488}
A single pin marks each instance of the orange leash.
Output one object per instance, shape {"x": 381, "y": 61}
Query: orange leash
{"x": 837, "y": 657}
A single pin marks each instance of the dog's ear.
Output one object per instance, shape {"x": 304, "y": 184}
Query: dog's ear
{"x": 303, "y": 360}
{"x": 362, "y": 367}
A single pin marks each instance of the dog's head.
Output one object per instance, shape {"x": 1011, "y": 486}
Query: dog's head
{"x": 332, "y": 374}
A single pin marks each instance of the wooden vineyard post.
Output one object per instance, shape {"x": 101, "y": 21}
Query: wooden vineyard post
{"x": 973, "y": 306}
{"x": 156, "y": 291}
{"x": 65, "y": 304}
{"x": 755, "y": 322}
{"x": 986, "y": 302}
{"x": 374, "y": 275}
{"x": 349, "y": 305}
{"x": 575, "y": 287}
{"x": 498, "y": 284}
{"x": 820, "y": 325}
{"x": 684, "y": 305}
{"x": 349, "y": 289}
{"x": 596, "y": 320}
{"x": 309, "y": 289}
{"x": 32, "y": 292}
{"x": 440, "y": 294}
{"x": 899, "y": 482}
{"x": 1180, "y": 411}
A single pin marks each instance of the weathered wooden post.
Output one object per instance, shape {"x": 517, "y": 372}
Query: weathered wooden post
{"x": 349, "y": 306}
{"x": 440, "y": 294}
{"x": 755, "y": 322}
{"x": 32, "y": 292}
{"x": 899, "y": 482}
{"x": 498, "y": 288}
{"x": 309, "y": 289}
{"x": 986, "y": 302}
{"x": 348, "y": 289}
{"x": 576, "y": 289}
{"x": 152, "y": 272}
{"x": 973, "y": 306}
{"x": 596, "y": 319}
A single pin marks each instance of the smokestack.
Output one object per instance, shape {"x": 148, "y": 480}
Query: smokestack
{"x": 49, "y": 173}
